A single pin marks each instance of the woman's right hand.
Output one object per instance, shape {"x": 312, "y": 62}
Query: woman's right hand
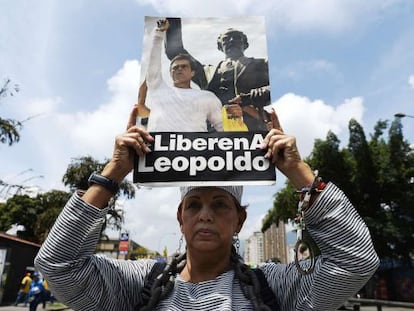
{"x": 127, "y": 145}
{"x": 134, "y": 141}
{"x": 284, "y": 154}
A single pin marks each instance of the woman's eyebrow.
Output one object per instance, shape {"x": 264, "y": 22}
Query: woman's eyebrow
{"x": 218, "y": 196}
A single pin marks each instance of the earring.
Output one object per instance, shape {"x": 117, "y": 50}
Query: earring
{"x": 236, "y": 242}
{"x": 180, "y": 243}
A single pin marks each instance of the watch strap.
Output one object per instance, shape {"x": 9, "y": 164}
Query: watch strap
{"x": 103, "y": 181}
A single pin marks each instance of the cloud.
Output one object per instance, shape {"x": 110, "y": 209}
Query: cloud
{"x": 311, "y": 119}
{"x": 54, "y": 137}
{"x": 151, "y": 218}
{"x": 307, "y": 120}
{"x": 411, "y": 80}
{"x": 325, "y": 16}
{"x": 91, "y": 131}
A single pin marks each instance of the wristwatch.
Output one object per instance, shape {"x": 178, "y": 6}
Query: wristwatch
{"x": 103, "y": 181}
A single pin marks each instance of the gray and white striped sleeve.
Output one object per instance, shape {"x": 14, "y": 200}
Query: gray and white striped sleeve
{"x": 80, "y": 279}
{"x": 346, "y": 263}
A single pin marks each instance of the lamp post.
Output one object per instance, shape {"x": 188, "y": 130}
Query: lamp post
{"x": 402, "y": 115}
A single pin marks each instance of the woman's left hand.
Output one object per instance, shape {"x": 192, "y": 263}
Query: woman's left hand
{"x": 284, "y": 154}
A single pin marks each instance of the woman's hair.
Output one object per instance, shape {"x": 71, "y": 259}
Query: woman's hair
{"x": 187, "y": 57}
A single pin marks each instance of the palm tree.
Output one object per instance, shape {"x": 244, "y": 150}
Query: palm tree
{"x": 9, "y": 128}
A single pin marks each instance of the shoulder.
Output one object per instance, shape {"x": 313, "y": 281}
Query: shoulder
{"x": 253, "y": 60}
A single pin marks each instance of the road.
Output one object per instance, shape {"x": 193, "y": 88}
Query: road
{"x": 20, "y": 307}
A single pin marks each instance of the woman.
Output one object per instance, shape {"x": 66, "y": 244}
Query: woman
{"x": 210, "y": 275}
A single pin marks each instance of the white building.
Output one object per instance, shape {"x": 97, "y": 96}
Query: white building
{"x": 253, "y": 249}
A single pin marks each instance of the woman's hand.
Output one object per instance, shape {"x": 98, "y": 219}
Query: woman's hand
{"x": 127, "y": 145}
{"x": 284, "y": 154}
{"x": 134, "y": 141}
{"x": 282, "y": 150}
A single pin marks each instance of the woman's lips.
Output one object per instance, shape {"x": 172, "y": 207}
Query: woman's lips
{"x": 205, "y": 232}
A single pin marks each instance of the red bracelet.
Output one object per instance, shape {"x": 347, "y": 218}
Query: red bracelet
{"x": 316, "y": 187}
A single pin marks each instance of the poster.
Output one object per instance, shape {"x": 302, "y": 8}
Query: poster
{"x": 208, "y": 79}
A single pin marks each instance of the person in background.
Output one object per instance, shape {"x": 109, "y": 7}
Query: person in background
{"x": 209, "y": 275}
{"x": 23, "y": 293}
{"x": 37, "y": 291}
{"x": 48, "y": 296}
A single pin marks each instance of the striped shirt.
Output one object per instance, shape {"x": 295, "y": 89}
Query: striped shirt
{"x": 85, "y": 281}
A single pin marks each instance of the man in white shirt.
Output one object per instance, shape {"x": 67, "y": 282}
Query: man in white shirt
{"x": 179, "y": 107}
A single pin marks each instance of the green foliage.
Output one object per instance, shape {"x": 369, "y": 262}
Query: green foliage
{"x": 9, "y": 131}
{"x": 284, "y": 206}
{"x": 76, "y": 177}
{"x": 140, "y": 252}
{"x": 78, "y": 172}
{"x": 376, "y": 175}
{"x": 9, "y": 128}
{"x": 37, "y": 214}
{"x": 333, "y": 164}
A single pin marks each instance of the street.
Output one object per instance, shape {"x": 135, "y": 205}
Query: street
{"x": 39, "y": 308}
{"x": 49, "y": 307}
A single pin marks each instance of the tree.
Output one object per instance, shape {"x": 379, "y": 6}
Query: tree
{"x": 52, "y": 203}
{"x": 329, "y": 160}
{"x": 37, "y": 215}
{"x": 9, "y": 128}
{"x": 332, "y": 163}
{"x": 377, "y": 177}
{"x": 140, "y": 252}
{"x": 398, "y": 195}
{"x": 76, "y": 177}
{"x": 365, "y": 175}
{"x": 284, "y": 207}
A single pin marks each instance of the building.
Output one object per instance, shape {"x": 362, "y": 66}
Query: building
{"x": 274, "y": 243}
{"x": 16, "y": 258}
{"x": 253, "y": 249}
{"x": 110, "y": 248}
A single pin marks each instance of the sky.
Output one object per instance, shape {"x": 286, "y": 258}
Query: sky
{"x": 78, "y": 64}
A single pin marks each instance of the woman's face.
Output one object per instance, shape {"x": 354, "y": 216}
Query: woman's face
{"x": 209, "y": 218}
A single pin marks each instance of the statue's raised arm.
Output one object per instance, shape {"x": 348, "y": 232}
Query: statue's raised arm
{"x": 174, "y": 46}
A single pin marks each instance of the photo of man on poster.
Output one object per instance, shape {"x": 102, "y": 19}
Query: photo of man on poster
{"x": 177, "y": 107}
{"x": 240, "y": 82}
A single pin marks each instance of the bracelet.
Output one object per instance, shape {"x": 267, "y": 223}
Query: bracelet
{"x": 103, "y": 181}
{"x": 306, "y": 267}
{"x": 312, "y": 189}
{"x": 307, "y": 192}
